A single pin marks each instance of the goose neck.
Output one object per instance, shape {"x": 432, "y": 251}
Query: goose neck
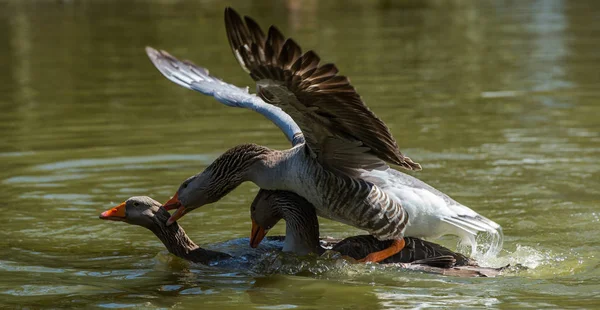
{"x": 302, "y": 229}
{"x": 179, "y": 244}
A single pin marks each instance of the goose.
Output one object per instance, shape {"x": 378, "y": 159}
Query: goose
{"x": 147, "y": 212}
{"x": 302, "y": 238}
{"x": 331, "y": 161}
{"x": 302, "y": 232}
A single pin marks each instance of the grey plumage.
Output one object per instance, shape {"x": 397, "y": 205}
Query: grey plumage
{"x": 279, "y": 82}
{"x": 147, "y": 212}
{"x": 302, "y": 229}
{"x": 348, "y": 200}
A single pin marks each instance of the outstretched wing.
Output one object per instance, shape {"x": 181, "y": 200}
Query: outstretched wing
{"x": 190, "y": 76}
{"x": 324, "y": 104}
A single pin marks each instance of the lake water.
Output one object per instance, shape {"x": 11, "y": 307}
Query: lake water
{"x": 498, "y": 100}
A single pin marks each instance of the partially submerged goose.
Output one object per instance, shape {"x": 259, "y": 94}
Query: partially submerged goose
{"x": 302, "y": 238}
{"x": 339, "y": 168}
{"x": 302, "y": 232}
{"x": 147, "y": 212}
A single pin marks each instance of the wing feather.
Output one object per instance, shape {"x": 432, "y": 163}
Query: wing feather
{"x": 322, "y": 102}
{"x": 187, "y": 74}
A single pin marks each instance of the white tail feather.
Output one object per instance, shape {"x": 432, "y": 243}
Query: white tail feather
{"x": 471, "y": 226}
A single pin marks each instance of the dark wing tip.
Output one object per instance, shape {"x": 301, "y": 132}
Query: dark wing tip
{"x": 445, "y": 261}
{"x": 230, "y": 11}
{"x": 231, "y": 14}
{"x": 409, "y": 164}
{"x": 275, "y": 34}
{"x": 255, "y": 30}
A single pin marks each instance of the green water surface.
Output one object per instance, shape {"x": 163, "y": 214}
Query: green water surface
{"x": 498, "y": 100}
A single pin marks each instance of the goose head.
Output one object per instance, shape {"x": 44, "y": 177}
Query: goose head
{"x": 302, "y": 225}
{"x": 141, "y": 210}
{"x": 226, "y": 173}
{"x": 265, "y": 213}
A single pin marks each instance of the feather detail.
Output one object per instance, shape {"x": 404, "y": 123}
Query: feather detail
{"x": 323, "y": 103}
{"x": 187, "y": 74}
{"x": 439, "y": 261}
{"x": 343, "y": 157}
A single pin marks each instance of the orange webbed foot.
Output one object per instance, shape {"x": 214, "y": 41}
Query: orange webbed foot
{"x": 376, "y": 257}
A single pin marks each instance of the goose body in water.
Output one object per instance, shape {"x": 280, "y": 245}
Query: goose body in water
{"x": 339, "y": 151}
{"x": 147, "y": 212}
{"x": 302, "y": 238}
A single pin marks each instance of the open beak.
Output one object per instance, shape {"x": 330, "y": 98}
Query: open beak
{"x": 173, "y": 203}
{"x": 258, "y": 234}
{"x": 181, "y": 211}
{"x": 115, "y": 214}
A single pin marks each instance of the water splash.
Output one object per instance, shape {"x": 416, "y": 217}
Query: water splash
{"x": 332, "y": 264}
{"x": 537, "y": 262}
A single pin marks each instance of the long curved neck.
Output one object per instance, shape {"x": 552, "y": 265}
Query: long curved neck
{"x": 301, "y": 228}
{"x": 244, "y": 162}
{"x": 179, "y": 244}
{"x": 281, "y": 119}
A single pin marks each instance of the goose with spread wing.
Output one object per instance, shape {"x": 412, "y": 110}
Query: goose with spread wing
{"x": 339, "y": 149}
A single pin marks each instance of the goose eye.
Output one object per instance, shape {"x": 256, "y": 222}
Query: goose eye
{"x": 184, "y": 185}
{"x": 135, "y": 204}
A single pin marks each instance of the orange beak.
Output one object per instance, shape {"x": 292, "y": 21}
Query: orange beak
{"x": 173, "y": 203}
{"x": 115, "y": 214}
{"x": 181, "y": 211}
{"x": 257, "y": 235}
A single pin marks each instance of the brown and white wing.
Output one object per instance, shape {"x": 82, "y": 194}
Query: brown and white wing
{"x": 324, "y": 104}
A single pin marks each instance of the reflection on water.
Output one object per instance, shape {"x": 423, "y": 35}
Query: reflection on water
{"x": 498, "y": 101}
